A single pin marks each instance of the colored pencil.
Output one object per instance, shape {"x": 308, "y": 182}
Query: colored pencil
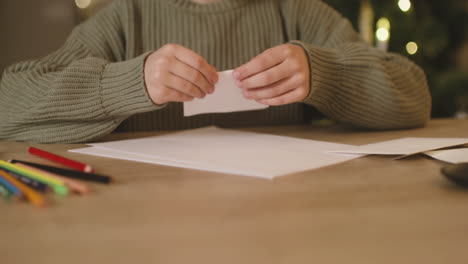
{"x": 69, "y": 173}
{"x": 4, "y": 192}
{"x": 62, "y": 160}
{"x": 36, "y": 185}
{"x": 57, "y": 185}
{"x": 74, "y": 185}
{"x": 9, "y": 186}
{"x": 31, "y": 195}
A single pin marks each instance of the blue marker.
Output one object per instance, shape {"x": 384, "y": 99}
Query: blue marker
{"x": 4, "y": 192}
{"x": 12, "y": 188}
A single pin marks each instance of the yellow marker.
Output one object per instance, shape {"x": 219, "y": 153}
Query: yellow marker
{"x": 57, "y": 185}
{"x": 31, "y": 195}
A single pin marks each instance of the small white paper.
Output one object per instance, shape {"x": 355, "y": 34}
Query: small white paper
{"x": 458, "y": 155}
{"x": 404, "y": 146}
{"x": 226, "y": 98}
{"x": 225, "y": 151}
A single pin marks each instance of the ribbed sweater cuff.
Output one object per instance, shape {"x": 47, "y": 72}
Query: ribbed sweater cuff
{"x": 123, "y": 88}
{"x": 326, "y": 75}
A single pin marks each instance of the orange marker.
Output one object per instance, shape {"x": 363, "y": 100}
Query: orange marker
{"x": 75, "y": 186}
{"x": 31, "y": 195}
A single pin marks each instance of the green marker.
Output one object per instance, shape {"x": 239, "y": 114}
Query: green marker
{"x": 5, "y": 193}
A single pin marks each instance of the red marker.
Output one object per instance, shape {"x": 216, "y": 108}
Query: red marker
{"x": 64, "y": 161}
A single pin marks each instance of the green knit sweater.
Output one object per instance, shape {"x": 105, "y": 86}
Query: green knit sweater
{"x": 94, "y": 84}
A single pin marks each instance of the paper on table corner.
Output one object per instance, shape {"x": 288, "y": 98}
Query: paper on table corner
{"x": 458, "y": 155}
{"x": 226, "y": 98}
{"x": 404, "y": 147}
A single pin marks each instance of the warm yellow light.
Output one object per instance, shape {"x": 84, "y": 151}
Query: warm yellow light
{"x": 382, "y": 34}
{"x": 412, "y": 48}
{"x": 83, "y": 3}
{"x": 405, "y": 5}
{"x": 383, "y": 23}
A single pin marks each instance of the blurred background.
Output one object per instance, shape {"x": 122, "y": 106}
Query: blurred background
{"x": 432, "y": 33}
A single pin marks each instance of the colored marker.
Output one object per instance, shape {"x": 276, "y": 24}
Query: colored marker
{"x": 10, "y": 187}
{"x": 4, "y": 192}
{"x": 31, "y": 195}
{"x": 62, "y": 160}
{"x": 74, "y": 185}
{"x": 36, "y": 185}
{"x": 57, "y": 185}
{"x": 68, "y": 173}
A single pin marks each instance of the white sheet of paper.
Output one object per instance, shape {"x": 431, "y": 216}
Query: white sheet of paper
{"x": 404, "y": 146}
{"x": 226, "y": 98}
{"x": 225, "y": 151}
{"x": 117, "y": 154}
{"x": 457, "y": 155}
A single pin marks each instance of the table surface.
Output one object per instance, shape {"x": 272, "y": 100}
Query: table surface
{"x": 368, "y": 210}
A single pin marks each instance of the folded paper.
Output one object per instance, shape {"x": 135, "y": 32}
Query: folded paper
{"x": 226, "y": 98}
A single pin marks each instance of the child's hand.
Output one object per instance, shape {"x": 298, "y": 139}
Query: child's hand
{"x": 278, "y": 76}
{"x": 174, "y": 73}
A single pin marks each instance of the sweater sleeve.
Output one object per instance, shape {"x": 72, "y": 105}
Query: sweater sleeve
{"x": 355, "y": 83}
{"x": 80, "y": 92}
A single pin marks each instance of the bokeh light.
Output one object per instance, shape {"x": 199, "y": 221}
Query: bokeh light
{"x": 83, "y": 3}
{"x": 412, "y": 48}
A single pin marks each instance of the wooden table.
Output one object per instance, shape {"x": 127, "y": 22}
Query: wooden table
{"x": 368, "y": 210}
